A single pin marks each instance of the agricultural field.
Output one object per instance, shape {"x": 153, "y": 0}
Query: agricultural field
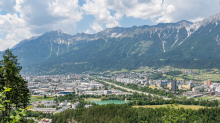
{"x": 39, "y": 98}
{"x": 194, "y": 107}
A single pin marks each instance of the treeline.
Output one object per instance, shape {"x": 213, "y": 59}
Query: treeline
{"x": 39, "y": 115}
{"x": 74, "y": 98}
{"x": 126, "y": 114}
{"x": 139, "y": 99}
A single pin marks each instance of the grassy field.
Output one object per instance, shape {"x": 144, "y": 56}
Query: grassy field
{"x": 39, "y": 98}
{"x": 195, "y": 107}
{"x": 122, "y": 71}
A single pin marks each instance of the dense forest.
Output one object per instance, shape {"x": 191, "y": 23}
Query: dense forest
{"x": 126, "y": 114}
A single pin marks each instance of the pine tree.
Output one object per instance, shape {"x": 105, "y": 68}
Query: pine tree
{"x": 11, "y": 78}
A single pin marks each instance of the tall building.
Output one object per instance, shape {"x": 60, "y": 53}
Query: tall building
{"x": 209, "y": 82}
{"x": 173, "y": 85}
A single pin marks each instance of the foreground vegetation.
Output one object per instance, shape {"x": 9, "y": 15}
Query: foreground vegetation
{"x": 14, "y": 94}
{"x": 194, "y": 107}
{"x": 126, "y": 114}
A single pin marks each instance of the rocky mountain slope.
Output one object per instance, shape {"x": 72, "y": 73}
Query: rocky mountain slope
{"x": 174, "y": 44}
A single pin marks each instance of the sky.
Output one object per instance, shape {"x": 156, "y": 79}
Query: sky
{"x": 22, "y": 19}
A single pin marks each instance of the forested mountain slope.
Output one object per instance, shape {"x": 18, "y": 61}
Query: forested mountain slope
{"x": 173, "y": 44}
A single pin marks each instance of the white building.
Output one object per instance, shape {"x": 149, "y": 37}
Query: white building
{"x": 48, "y": 103}
{"x": 217, "y": 89}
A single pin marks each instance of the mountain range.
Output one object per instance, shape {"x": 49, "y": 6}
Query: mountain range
{"x": 183, "y": 44}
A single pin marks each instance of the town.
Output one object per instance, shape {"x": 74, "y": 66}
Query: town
{"x": 52, "y": 86}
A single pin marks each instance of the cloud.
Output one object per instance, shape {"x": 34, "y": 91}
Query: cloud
{"x": 26, "y": 18}
{"x": 143, "y": 9}
{"x": 51, "y": 15}
{"x": 192, "y": 10}
{"x": 96, "y": 27}
{"x": 99, "y": 10}
{"x": 8, "y": 5}
{"x": 7, "y": 44}
{"x": 88, "y": 31}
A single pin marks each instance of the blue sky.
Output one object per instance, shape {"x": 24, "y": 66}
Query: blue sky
{"x": 21, "y": 19}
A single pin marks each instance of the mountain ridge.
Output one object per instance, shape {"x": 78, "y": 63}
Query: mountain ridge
{"x": 119, "y": 47}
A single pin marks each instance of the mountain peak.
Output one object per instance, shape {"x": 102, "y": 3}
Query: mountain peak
{"x": 214, "y": 19}
{"x": 59, "y": 31}
{"x": 185, "y": 22}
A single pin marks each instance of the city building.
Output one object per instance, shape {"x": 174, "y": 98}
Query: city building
{"x": 209, "y": 82}
{"x": 198, "y": 88}
{"x": 107, "y": 92}
{"x": 66, "y": 92}
{"x": 217, "y": 89}
{"x": 172, "y": 86}
{"x": 48, "y": 103}
{"x": 152, "y": 86}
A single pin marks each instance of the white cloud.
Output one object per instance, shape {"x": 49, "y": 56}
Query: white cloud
{"x": 36, "y": 17}
{"x": 144, "y": 9}
{"x": 8, "y": 5}
{"x": 88, "y": 31}
{"x": 99, "y": 10}
{"x": 7, "y": 44}
{"x": 158, "y": 11}
{"x": 192, "y": 10}
{"x": 170, "y": 8}
{"x": 96, "y": 27}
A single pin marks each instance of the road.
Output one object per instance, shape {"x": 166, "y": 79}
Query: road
{"x": 128, "y": 89}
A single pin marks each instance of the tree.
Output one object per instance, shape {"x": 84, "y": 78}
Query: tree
{"x": 15, "y": 115}
{"x": 10, "y": 78}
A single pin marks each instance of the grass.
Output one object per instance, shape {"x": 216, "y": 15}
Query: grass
{"x": 194, "y": 107}
{"x": 122, "y": 71}
{"x": 39, "y": 98}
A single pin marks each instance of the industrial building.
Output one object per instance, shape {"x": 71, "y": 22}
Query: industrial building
{"x": 66, "y": 92}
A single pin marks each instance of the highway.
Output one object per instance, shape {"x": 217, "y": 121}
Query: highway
{"x": 128, "y": 89}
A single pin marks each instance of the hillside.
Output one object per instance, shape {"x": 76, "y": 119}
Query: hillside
{"x": 182, "y": 44}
